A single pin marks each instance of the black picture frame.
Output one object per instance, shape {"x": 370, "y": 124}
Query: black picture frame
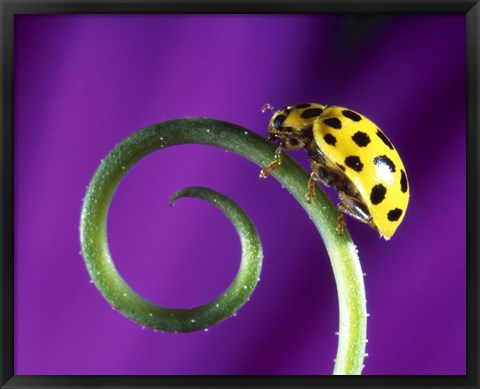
{"x": 9, "y": 8}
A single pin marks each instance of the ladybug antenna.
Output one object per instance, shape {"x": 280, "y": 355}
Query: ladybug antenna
{"x": 267, "y": 106}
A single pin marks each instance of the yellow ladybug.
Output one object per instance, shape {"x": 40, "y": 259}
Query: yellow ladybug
{"x": 350, "y": 153}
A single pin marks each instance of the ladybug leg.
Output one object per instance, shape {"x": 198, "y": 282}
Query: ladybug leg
{"x": 353, "y": 207}
{"x": 341, "y": 223}
{"x": 323, "y": 174}
{"x": 311, "y": 186}
{"x": 319, "y": 174}
{"x": 275, "y": 164}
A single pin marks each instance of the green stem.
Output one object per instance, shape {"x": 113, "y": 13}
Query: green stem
{"x": 342, "y": 251}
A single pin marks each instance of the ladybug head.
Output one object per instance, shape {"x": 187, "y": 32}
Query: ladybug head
{"x": 283, "y": 129}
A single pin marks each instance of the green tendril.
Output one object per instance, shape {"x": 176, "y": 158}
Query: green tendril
{"x": 342, "y": 252}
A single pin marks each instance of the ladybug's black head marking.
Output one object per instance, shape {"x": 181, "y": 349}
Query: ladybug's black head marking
{"x": 278, "y": 121}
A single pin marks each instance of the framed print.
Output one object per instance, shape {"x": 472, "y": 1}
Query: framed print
{"x": 355, "y": 254}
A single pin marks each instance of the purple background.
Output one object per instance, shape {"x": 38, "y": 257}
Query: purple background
{"x": 83, "y": 83}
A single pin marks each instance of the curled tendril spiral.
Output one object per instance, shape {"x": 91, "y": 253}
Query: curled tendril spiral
{"x": 342, "y": 251}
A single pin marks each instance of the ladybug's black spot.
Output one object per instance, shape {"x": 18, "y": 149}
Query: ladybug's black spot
{"x": 361, "y": 138}
{"x": 341, "y": 166}
{"x": 279, "y": 121}
{"x": 311, "y": 113}
{"x": 384, "y": 160}
{"x": 403, "y": 181}
{"x": 330, "y": 139}
{"x": 333, "y": 122}
{"x": 293, "y": 141}
{"x": 377, "y": 195}
{"x": 354, "y": 162}
{"x": 384, "y": 139}
{"x": 299, "y": 106}
{"x": 352, "y": 115}
{"x": 394, "y": 214}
